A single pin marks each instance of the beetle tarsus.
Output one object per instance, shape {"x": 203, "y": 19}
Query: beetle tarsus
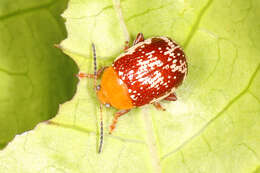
{"x": 57, "y": 46}
{"x": 158, "y": 106}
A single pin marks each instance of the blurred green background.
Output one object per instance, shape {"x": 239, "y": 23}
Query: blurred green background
{"x": 35, "y": 76}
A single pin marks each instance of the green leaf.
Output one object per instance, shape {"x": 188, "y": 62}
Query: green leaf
{"x": 34, "y": 80}
{"x": 213, "y": 127}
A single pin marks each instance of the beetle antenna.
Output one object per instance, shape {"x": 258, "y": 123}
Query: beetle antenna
{"x": 101, "y": 131}
{"x": 100, "y": 106}
{"x": 95, "y": 65}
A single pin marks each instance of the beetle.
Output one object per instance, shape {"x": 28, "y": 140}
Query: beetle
{"x": 146, "y": 73}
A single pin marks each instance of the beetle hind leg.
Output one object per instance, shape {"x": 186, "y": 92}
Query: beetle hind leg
{"x": 171, "y": 97}
{"x": 158, "y": 106}
{"x": 139, "y": 38}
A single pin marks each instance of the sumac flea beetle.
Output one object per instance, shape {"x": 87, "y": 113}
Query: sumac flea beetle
{"x": 145, "y": 73}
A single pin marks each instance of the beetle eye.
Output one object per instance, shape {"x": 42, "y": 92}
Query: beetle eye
{"x": 98, "y": 87}
{"x": 107, "y": 105}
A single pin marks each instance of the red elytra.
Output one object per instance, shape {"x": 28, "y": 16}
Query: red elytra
{"x": 151, "y": 69}
{"x": 145, "y": 73}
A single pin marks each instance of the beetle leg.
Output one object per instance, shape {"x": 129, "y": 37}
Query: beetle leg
{"x": 85, "y": 75}
{"x": 171, "y": 97}
{"x": 158, "y": 106}
{"x": 139, "y": 38}
{"x": 117, "y": 115}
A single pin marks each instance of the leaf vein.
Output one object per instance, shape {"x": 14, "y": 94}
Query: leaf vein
{"x": 11, "y": 73}
{"x": 147, "y": 11}
{"x": 88, "y": 131}
{"x": 196, "y": 24}
{"x": 251, "y": 150}
{"x": 257, "y": 99}
{"x": 118, "y": 10}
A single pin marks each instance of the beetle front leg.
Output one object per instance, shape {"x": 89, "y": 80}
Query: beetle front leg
{"x": 117, "y": 115}
{"x": 85, "y": 75}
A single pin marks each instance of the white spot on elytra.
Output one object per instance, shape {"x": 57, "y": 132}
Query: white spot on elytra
{"x": 133, "y": 97}
{"x": 120, "y": 73}
{"x": 150, "y": 53}
{"x": 170, "y": 52}
{"x": 166, "y": 67}
{"x": 130, "y": 76}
